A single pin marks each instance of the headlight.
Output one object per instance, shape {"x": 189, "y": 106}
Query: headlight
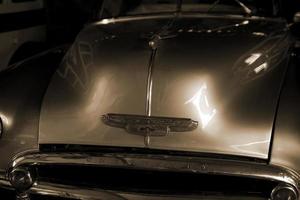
{"x": 284, "y": 192}
{"x": 21, "y": 179}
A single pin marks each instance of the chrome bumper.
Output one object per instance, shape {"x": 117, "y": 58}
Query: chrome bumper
{"x": 62, "y": 191}
{"x": 144, "y": 162}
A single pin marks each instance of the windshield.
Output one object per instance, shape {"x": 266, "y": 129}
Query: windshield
{"x": 115, "y": 8}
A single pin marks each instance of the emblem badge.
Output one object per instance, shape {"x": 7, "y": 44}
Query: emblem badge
{"x": 149, "y": 126}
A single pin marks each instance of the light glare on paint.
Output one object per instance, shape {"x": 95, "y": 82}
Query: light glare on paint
{"x": 260, "y": 68}
{"x": 7, "y": 121}
{"x": 200, "y": 101}
{"x": 254, "y": 57}
{"x": 105, "y": 21}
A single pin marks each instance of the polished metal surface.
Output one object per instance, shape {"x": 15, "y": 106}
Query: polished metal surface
{"x": 21, "y": 178}
{"x": 57, "y": 190}
{"x": 22, "y": 88}
{"x": 283, "y": 192}
{"x": 150, "y": 162}
{"x": 4, "y": 183}
{"x": 223, "y": 71}
{"x": 153, "y": 45}
{"x": 286, "y": 144}
{"x": 149, "y": 126}
{"x": 169, "y": 163}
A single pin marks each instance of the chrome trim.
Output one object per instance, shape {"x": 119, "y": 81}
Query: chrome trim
{"x": 149, "y": 79}
{"x": 23, "y": 196}
{"x": 149, "y": 126}
{"x": 153, "y": 46}
{"x": 285, "y": 187}
{"x": 198, "y": 165}
{"x": 4, "y": 183}
{"x": 21, "y": 183}
{"x": 183, "y": 15}
{"x": 246, "y": 9}
{"x": 165, "y": 163}
{"x": 57, "y": 190}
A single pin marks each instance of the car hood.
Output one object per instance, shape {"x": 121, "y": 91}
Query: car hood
{"x": 223, "y": 73}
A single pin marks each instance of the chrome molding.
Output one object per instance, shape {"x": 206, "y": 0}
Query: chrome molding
{"x": 57, "y": 190}
{"x": 153, "y": 46}
{"x": 149, "y": 126}
{"x": 165, "y": 163}
{"x": 4, "y": 183}
{"x": 150, "y": 85}
{"x": 170, "y": 15}
{"x": 284, "y": 190}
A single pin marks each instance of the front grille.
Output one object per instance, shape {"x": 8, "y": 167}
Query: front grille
{"x": 109, "y": 175}
{"x": 154, "y": 182}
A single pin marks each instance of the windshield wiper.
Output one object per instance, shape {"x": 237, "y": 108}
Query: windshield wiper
{"x": 247, "y": 10}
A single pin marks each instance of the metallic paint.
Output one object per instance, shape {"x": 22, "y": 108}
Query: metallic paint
{"x": 22, "y": 87}
{"x": 107, "y": 71}
{"x": 286, "y": 145}
{"x": 226, "y": 72}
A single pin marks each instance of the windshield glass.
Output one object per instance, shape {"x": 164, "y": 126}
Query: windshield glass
{"x": 115, "y": 8}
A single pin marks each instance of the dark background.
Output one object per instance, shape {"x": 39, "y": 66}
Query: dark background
{"x": 66, "y": 18}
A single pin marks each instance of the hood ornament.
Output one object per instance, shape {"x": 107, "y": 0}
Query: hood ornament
{"x": 149, "y": 126}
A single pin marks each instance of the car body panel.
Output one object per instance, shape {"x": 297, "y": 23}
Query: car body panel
{"x": 107, "y": 71}
{"x": 200, "y": 75}
{"x": 20, "y": 110}
{"x": 286, "y": 143}
{"x": 90, "y": 76}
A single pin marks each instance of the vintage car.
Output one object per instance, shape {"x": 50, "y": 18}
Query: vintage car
{"x": 165, "y": 100}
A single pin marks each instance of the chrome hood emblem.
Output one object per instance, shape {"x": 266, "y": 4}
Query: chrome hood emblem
{"x": 149, "y": 126}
